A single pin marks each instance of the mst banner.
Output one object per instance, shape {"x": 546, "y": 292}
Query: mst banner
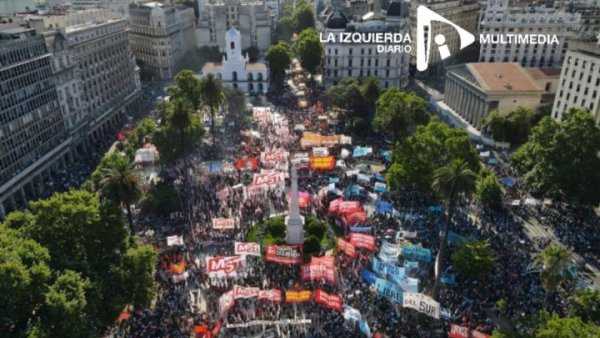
{"x": 247, "y": 249}
{"x": 422, "y": 303}
{"x": 273, "y": 295}
{"x": 284, "y": 254}
{"x": 362, "y": 241}
{"x": 244, "y": 292}
{"x": 346, "y": 247}
{"x": 330, "y": 300}
{"x": 223, "y": 223}
{"x": 225, "y": 266}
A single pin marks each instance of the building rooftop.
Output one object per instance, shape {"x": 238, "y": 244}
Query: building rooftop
{"x": 503, "y": 77}
{"x": 543, "y": 72}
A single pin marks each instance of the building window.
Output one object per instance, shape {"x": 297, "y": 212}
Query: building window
{"x": 232, "y": 45}
{"x": 234, "y": 76}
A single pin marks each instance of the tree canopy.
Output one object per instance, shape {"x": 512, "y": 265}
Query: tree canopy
{"x": 397, "y": 111}
{"x": 488, "y": 189}
{"x": 557, "y": 327}
{"x": 473, "y": 258}
{"x": 309, "y": 50}
{"x": 296, "y": 15}
{"x": 513, "y": 127}
{"x": 561, "y": 158}
{"x": 73, "y": 256}
{"x": 432, "y": 146}
{"x": 279, "y": 57}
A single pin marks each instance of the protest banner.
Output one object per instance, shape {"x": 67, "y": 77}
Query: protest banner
{"x": 244, "y": 292}
{"x": 298, "y": 296}
{"x": 457, "y": 331}
{"x": 321, "y": 162}
{"x": 368, "y": 276}
{"x": 331, "y": 301}
{"x": 362, "y": 241}
{"x": 247, "y": 163}
{"x": 225, "y": 266}
{"x": 380, "y": 187}
{"x": 346, "y": 247}
{"x": 268, "y": 179}
{"x": 361, "y": 151}
{"x": 271, "y": 158}
{"x": 298, "y": 158}
{"x": 319, "y": 268}
{"x": 416, "y": 253}
{"x": 388, "y": 290}
{"x": 422, "y": 303}
{"x": 223, "y": 223}
{"x": 389, "y": 252}
{"x": 320, "y": 151}
{"x": 273, "y": 295}
{"x": 351, "y": 314}
{"x": 246, "y": 249}
{"x": 270, "y": 322}
{"x": 174, "y": 240}
{"x": 284, "y": 254}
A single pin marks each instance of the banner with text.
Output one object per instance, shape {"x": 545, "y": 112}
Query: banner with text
{"x": 422, "y": 303}
{"x": 330, "y": 300}
{"x": 284, "y": 254}
{"x": 225, "y": 266}
{"x": 362, "y": 241}
{"x": 319, "y": 268}
{"x": 346, "y": 247}
{"x": 298, "y": 296}
{"x": 273, "y": 295}
{"x": 246, "y": 249}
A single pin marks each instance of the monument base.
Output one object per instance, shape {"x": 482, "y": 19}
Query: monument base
{"x": 295, "y": 230}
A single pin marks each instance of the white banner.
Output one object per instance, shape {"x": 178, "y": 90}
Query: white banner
{"x": 247, "y": 249}
{"x": 421, "y": 303}
{"x": 320, "y": 151}
{"x": 225, "y": 266}
{"x": 244, "y": 292}
{"x": 271, "y": 179}
{"x": 270, "y": 322}
{"x": 223, "y": 223}
{"x": 174, "y": 240}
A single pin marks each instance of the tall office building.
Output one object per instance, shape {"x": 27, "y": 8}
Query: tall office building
{"x": 251, "y": 18}
{"x": 160, "y": 35}
{"x": 504, "y": 17}
{"x": 579, "y": 79}
{"x": 32, "y": 132}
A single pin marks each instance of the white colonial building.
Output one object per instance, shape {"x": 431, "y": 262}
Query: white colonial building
{"x": 502, "y": 19}
{"x": 236, "y": 71}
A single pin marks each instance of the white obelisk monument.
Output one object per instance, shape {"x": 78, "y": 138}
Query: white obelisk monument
{"x": 294, "y": 221}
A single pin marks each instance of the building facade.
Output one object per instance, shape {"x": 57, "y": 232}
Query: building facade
{"x": 160, "y": 35}
{"x": 474, "y": 90}
{"x": 32, "y": 133}
{"x": 464, "y": 13}
{"x": 502, "y": 18}
{"x": 251, "y": 18}
{"x": 236, "y": 71}
{"x": 579, "y": 79}
{"x": 361, "y": 60}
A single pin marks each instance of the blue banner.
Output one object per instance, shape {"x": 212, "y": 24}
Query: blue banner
{"x": 416, "y": 253}
{"x": 410, "y": 265}
{"x": 379, "y": 177}
{"x": 352, "y": 191}
{"x": 363, "y": 178}
{"x": 334, "y": 180}
{"x": 435, "y": 208}
{"x": 361, "y": 151}
{"x": 368, "y": 276}
{"x": 384, "y": 207}
{"x": 389, "y": 290}
{"x": 395, "y": 273}
{"x": 214, "y": 167}
{"x": 378, "y": 267}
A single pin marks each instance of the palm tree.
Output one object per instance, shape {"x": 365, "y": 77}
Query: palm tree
{"x": 555, "y": 264}
{"x": 451, "y": 183}
{"x": 213, "y": 97}
{"x": 179, "y": 116}
{"x": 371, "y": 89}
{"x": 122, "y": 186}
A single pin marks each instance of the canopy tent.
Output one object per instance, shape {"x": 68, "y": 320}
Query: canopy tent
{"x": 147, "y": 154}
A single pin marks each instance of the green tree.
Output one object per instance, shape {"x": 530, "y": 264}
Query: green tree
{"x": 168, "y": 139}
{"x": 586, "y": 305}
{"x": 556, "y": 266}
{"x": 24, "y": 274}
{"x": 557, "y": 327}
{"x": 213, "y": 97}
{"x": 304, "y": 18}
{"x": 120, "y": 185}
{"x": 187, "y": 87}
{"x": 309, "y": 50}
{"x": 496, "y": 124}
{"x": 285, "y": 28}
{"x": 64, "y": 313}
{"x": 311, "y": 245}
{"x": 432, "y": 146}
{"x": 489, "y": 190}
{"x": 315, "y": 227}
{"x": 473, "y": 258}
{"x": 235, "y": 100}
{"x": 179, "y": 116}
{"x": 160, "y": 200}
{"x": 513, "y": 127}
{"x": 561, "y": 158}
{"x": 371, "y": 89}
{"x": 279, "y": 57}
{"x": 397, "y": 111}
{"x": 252, "y": 53}
{"x": 451, "y": 183}
{"x": 138, "y": 265}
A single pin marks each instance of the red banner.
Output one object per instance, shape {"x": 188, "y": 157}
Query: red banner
{"x": 273, "y": 157}
{"x": 225, "y": 266}
{"x": 330, "y": 300}
{"x": 355, "y": 218}
{"x": 319, "y": 268}
{"x": 273, "y": 295}
{"x": 347, "y": 207}
{"x": 284, "y": 254}
{"x": 223, "y": 223}
{"x": 298, "y": 296}
{"x": 334, "y": 206}
{"x": 247, "y": 163}
{"x": 247, "y": 249}
{"x": 269, "y": 179}
{"x": 362, "y": 241}
{"x": 346, "y": 247}
{"x": 477, "y": 334}
{"x": 458, "y": 331}
{"x": 244, "y": 292}
{"x": 321, "y": 163}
